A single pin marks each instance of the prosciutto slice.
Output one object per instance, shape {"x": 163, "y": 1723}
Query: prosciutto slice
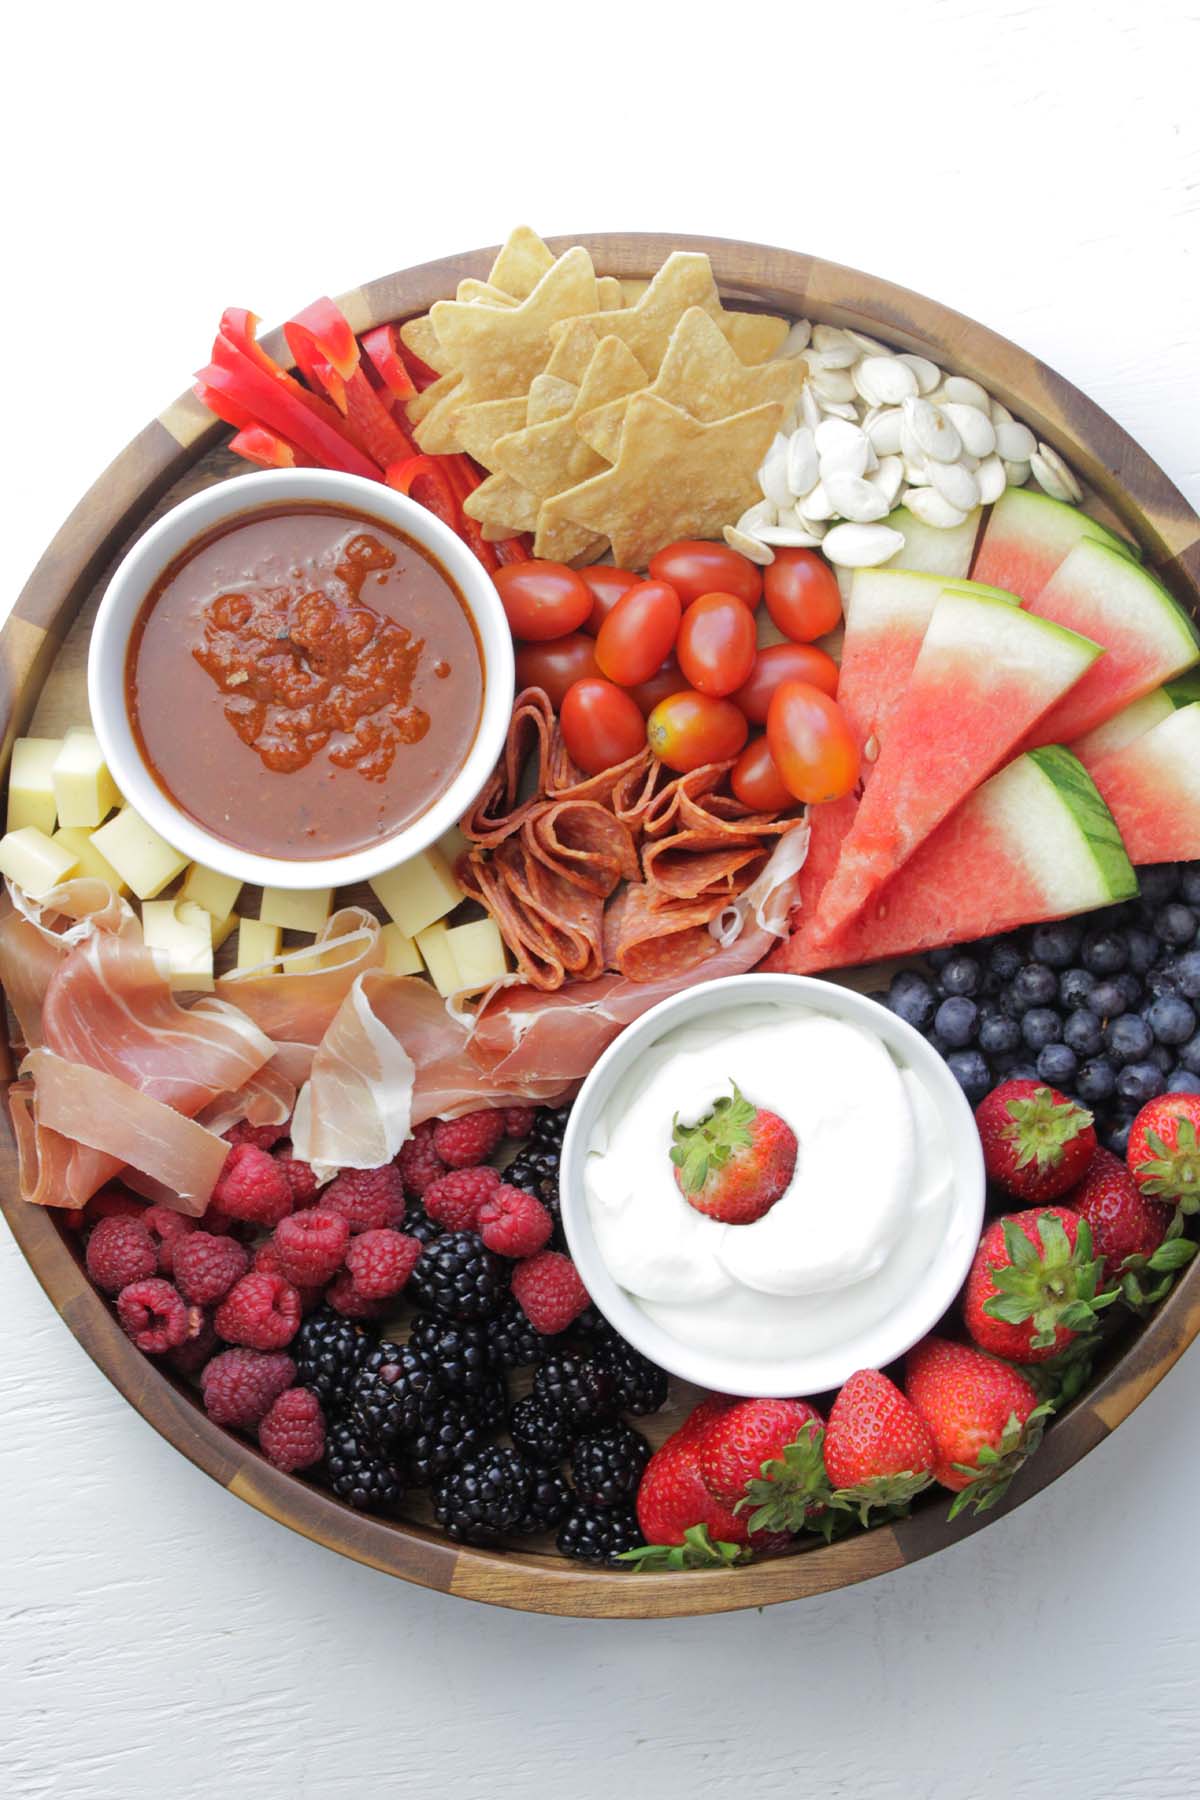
{"x": 295, "y": 1003}
{"x": 36, "y": 935}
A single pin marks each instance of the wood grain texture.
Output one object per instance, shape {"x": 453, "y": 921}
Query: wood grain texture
{"x": 179, "y": 452}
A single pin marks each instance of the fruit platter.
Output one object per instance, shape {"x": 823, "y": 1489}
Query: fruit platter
{"x": 601, "y": 924}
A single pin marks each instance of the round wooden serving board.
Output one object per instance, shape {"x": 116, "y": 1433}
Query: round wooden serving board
{"x": 43, "y": 652}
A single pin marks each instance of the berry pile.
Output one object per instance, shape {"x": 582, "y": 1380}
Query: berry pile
{"x": 1104, "y": 1007}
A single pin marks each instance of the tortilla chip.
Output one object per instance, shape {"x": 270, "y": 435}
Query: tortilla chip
{"x": 609, "y": 290}
{"x": 419, "y": 336}
{"x": 632, "y": 291}
{"x": 755, "y": 336}
{"x": 549, "y": 397}
{"x": 482, "y": 293}
{"x": 502, "y": 506}
{"x": 547, "y": 458}
{"x": 684, "y": 280}
{"x": 501, "y": 349}
{"x": 476, "y": 428}
{"x": 421, "y": 405}
{"x": 573, "y": 350}
{"x": 675, "y": 478}
{"x": 561, "y": 540}
{"x": 520, "y": 264}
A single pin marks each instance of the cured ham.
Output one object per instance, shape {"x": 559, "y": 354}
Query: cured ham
{"x": 293, "y": 1002}
{"x": 35, "y": 936}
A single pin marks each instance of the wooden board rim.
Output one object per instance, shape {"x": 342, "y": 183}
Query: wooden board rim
{"x": 1138, "y": 493}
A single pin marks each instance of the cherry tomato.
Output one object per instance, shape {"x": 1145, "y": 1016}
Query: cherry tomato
{"x": 717, "y": 643}
{"x": 639, "y": 633}
{"x": 601, "y": 725}
{"x": 555, "y": 665}
{"x": 542, "y": 599}
{"x": 688, "y": 729}
{"x": 756, "y": 782}
{"x": 810, "y": 743}
{"x": 802, "y": 594}
{"x": 784, "y": 662}
{"x": 607, "y": 586}
{"x": 668, "y": 680}
{"x": 694, "y": 566}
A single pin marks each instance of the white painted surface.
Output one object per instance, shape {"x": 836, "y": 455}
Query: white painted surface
{"x": 1037, "y": 167}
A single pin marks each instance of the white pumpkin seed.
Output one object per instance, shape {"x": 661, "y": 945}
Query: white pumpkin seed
{"x": 934, "y": 432}
{"x": 955, "y": 484}
{"x": 967, "y": 461}
{"x": 932, "y": 508}
{"x": 884, "y": 430}
{"x": 1052, "y": 465}
{"x": 802, "y": 470}
{"x": 842, "y": 448}
{"x": 973, "y": 426}
{"x": 928, "y": 374}
{"x": 1014, "y": 441}
{"x": 832, "y": 384}
{"x": 763, "y": 512}
{"x": 772, "y": 474}
{"x": 884, "y": 380}
{"x": 998, "y": 413}
{"x": 834, "y": 348}
{"x": 888, "y": 478}
{"x": 810, "y": 406}
{"x": 840, "y": 409}
{"x": 861, "y": 546}
{"x": 797, "y": 339}
{"x": 855, "y": 498}
{"x": 868, "y": 345}
{"x": 964, "y": 392}
{"x": 872, "y": 459}
{"x": 753, "y": 549}
{"x": 991, "y": 478}
{"x": 816, "y": 504}
{"x": 1016, "y": 473}
{"x": 793, "y": 537}
{"x": 916, "y": 473}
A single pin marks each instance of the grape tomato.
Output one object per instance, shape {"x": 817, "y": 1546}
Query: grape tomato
{"x": 557, "y": 664}
{"x": 639, "y": 633}
{"x": 694, "y": 566}
{"x": 542, "y": 600}
{"x": 607, "y": 585}
{"x": 601, "y": 725}
{"x": 666, "y": 681}
{"x": 717, "y": 643}
{"x": 810, "y": 743}
{"x": 802, "y": 594}
{"x": 784, "y": 662}
{"x": 756, "y": 782}
{"x": 688, "y": 729}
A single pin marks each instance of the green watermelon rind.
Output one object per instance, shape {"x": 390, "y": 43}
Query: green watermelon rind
{"x": 1093, "y": 822}
{"x": 980, "y": 590}
{"x": 1184, "y": 690}
{"x": 1007, "y": 519}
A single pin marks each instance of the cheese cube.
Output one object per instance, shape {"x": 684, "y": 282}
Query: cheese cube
{"x": 402, "y": 955}
{"x": 84, "y": 791}
{"x": 184, "y": 931}
{"x": 418, "y": 893}
{"x": 217, "y": 894}
{"x": 31, "y": 784}
{"x": 79, "y": 842}
{"x": 305, "y": 965}
{"x": 478, "y": 950}
{"x": 221, "y": 928}
{"x": 140, "y": 857}
{"x": 439, "y": 958}
{"x": 296, "y": 909}
{"x": 452, "y": 844}
{"x": 34, "y": 861}
{"x": 257, "y": 943}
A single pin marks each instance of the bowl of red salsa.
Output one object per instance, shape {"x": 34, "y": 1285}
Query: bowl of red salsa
{"x": 300, "y": 678}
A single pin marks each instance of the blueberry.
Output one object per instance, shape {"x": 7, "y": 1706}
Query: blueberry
{"x": 1034, "y": 985}
{"x": 936, "y": 1042}
{"x": 1056, "y": 945}
{"x": 1081, "y": 1031}
{"x": 954, "y": 1021}
{"x": 1041, "y": 1026}
{"x": 1143, "y": 948}
{"x": 1158, "y": 884}
{"x": 1161, "y": 1057}
{"x": 1057, "y": 1065}
{"x": 1189, "y": 883}
{"x": 961, "y": 975}
{"x": 1139, "y": 1082}
{"x": 1171, "y": 1019}
{"x": 1108, "y": 1000}
{"x": 1189, "y": 1056}
{"x": 1116, "y": 1137}
{"x": 939, "y": 958}
{"x": 1004, "y": 959}
{"x": 1129, "y": 1038}
{"x": 999, "y": 1036}
{"x": 1165, "y": 979}
{"x": 912, "y": 999}
{"x": 1104, "y": 952}
{"x": 1183, "y": 1082}
{"x": 1186, "y": 971}
{"x": 1175, "y": 923}
{"x": 1023, "y": 1072}
{"x": 1097, "y": 1081}
{"x": 971, "y": 1073}
{"x": 1075, "y": 987}
{"x": 1130, "y": 986}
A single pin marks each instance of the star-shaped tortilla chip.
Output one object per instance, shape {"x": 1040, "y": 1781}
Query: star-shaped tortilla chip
{"x": 550, "y": 457}
{"x": 503, "y": 508}
{"x": 522, "y": 261}
{"x": 675, "y": 478}
{"x": 500, "y": 349}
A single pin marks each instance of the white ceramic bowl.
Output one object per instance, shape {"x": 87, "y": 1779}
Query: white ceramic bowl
{"x": 160, "y": 546}
{"x": 818, "y": 1372}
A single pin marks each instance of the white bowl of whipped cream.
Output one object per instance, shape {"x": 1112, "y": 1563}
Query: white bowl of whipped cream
{"x": 859, "y": 1257}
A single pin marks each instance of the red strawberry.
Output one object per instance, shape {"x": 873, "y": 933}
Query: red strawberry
{"x": 1036, "y": 1142}
{"x": 736, "y": 1161}
{"x": 1132, "y": 1232}
{"x": 985, "y": 1418}
{"x": 1164, "y": 1150}
{"x": 732, "y": 1450}
{"x": 878, "y": 1450}
{"x": 1032, "y": 1286}
{"x": 672, "y": 1499}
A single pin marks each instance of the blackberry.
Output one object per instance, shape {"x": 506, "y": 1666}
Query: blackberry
{"x": 535, "y": 1171}
{"x": 358, "y": 1474}
{"x": 458, "y": 1277}
{"x": 590, "y": 1324}
{"x": 550, "y": 1125}
{"x": 329, "y": 1351}
{"x": 448, "y": 1432}
{"x": 512, "y": 1340}
{"x": 574, "y": 1384}
{"x": 637, "y": 1385}
{"x": 491, "y": 1403}
{"x": 389, "y": 1391}
{"x": 485, "y": 1498}
{"x": 547, "y": 1501}
{"x": 540, "y": 1430}
{"x": 598, "y": 1534}
{"x": 606, "y": 1466}
{"x": 418, "y": 1224}
{"x": 456, "y": 1353}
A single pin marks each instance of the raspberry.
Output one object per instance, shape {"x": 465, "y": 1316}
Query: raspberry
{"x": 292, "y": 1434}
{"x": 514, "y": 1224}
{"x": 368, "y": 1199}
{"x": 190, "y": 1356}
{"x": 380, "y": 1262}
{"x": 300, "y": 1177}
{"x": 216, "y": 1222}
{"x": 154, "y": 1315}
{"x": 519, "y": 1121}
{"x": 120, "y": 1250}
{"x": 265, "y": 1261}
{"x": 263, "y": 1137}
{"x": 239, "y": 1386}
{"x": 345, "y": 1298}
{"x": 311, "y": 1245}
{"x": 418, "y": 1161}
{"x": 206, "y": 1267}
{"x": 261, "y": 1311}
{"x": 466, "y": 1142}
{"x": 112, "y": 1203}
{"x": 167, "y": 1228}
{"x": 549, "y": 1292}
{"x": 252, "y": 1186}
{"x": 454, "y": 1200}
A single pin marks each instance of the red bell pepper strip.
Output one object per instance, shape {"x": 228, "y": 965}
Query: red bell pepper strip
{"x": 369, "y": 418}
{"x": 383, "y": 351}
{"x": 461, "y": 473}
{"x": 225, "y": 409}
{"x": 513, "y": 550}
{"x": 272, "y": 405}
{"x": 422, "y": 375}
{"x": 327, "y": 328}
{"x": 425, "y": 480}
{"x": 259, "y": 445}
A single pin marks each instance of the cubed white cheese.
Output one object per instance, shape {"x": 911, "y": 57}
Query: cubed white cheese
{"x": 217, "y": 894}
{"x": 221, "y": 928}
{"x": 140, "y": 857}
{"x": 478, "y": 950}
{"x": 296, "y": 909}
{"x": 401, "y": 953}
{"x": 184, "y": 931}
{"x": 439, "y": 958}
{"x": 419, "y": 892}
{"x": 84, "y": 791}
{"x": 79, "y": 842}
{"x": 34, "y": 861}
{"x": 31, "y": 783}
{"x": 257, "y": 943}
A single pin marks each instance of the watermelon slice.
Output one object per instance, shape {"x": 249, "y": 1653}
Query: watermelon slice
{"x": 1029, "y": 535}
{"x": 985, "y": 674}
{"x": 1152, "y": 788}
{"x": 1035, "y": 842}
{"x": 1147, "y": 638}
{"x": 1135, "y": 719}
{"x": 930, "y": 550}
